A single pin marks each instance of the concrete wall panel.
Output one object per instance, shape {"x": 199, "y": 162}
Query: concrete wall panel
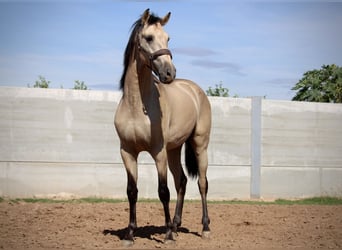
{"x": 331, "y": 181}
{"x": 288, "y": 182}
{"x": 295, "y": 135}
{"x": 63, "y": 142}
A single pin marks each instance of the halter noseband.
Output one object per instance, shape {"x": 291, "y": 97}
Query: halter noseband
{"x": 159, "y": 53}
{"x": 153, "y": 56}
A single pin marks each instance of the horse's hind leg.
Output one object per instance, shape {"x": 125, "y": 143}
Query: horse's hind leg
{"x": 175, "y": 166}
{"x": 199, "y": 145}
{"x": 203, "y": 188}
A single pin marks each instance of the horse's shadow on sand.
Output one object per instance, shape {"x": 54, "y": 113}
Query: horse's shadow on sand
{"x": 147, "y": 232}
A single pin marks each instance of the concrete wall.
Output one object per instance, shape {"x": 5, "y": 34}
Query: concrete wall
{"x": 301, "y": 149}
{"x": 63, "y": 142}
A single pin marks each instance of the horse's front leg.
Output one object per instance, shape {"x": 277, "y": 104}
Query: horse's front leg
{"x": 164, "y": 193}
{"x": 130, "y": 162}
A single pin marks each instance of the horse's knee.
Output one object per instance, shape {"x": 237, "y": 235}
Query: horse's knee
{"x": 132, "y": 192}
{"x": 184, "y": 180}
{"x": 182, "y": 187}
{"x": 163, "y": 191}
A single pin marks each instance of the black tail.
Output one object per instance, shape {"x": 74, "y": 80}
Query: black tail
{"x": 191, "y": 160}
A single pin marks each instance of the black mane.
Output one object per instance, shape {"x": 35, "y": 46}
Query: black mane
{"x": 136, "y": 27}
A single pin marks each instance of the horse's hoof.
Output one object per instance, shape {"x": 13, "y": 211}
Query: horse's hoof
{"x": 169, "y": 237}
{"x": 127, "y": 243}
{"x": 206, "y": 235}
{"x": 174, "y": 235}
{"x": 169, "y": 242}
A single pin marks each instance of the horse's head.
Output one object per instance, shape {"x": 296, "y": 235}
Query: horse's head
{"x": 153, "y": 46}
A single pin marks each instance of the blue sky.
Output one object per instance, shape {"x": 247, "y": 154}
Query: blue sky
{"x": 251, "y": 47}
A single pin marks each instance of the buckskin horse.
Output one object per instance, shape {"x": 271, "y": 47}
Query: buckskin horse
{"x": 158, "y": 114}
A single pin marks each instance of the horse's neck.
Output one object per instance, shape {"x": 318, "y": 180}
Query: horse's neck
{"x": 138, "y": 87}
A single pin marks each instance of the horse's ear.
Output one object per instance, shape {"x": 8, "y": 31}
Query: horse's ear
{"x": 145, "y": 16}
{"x": 165, "y": 19}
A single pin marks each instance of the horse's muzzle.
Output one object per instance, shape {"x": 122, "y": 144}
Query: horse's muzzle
{"x": 165, "y": 71}
{"x": 167, "y": 74}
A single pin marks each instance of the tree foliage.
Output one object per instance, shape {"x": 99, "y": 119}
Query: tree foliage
{"x": 323, "y": 85}
{"x": 218, "y": 91}
{"x": 41, "y": 83}
{"x": 80, "y": 85}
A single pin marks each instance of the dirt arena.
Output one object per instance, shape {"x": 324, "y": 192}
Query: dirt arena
{"x": 101, "y": 225}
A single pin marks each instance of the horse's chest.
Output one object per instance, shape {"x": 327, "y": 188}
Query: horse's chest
{"x": 138, "y": 130}
{"x": 133, "y": 130}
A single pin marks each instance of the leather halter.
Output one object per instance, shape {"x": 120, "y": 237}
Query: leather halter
{"x": 159, "y": 53}
{"x": 153, "y": 56}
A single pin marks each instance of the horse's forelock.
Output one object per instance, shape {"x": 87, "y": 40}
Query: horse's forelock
{"x": 153, "y": 19}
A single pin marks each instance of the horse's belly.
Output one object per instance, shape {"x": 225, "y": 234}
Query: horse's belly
{"x": 176, "y": 141}
{"x": 180, "y": 129}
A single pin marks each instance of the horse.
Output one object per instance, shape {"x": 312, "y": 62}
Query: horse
{"x": 158, "y": 114}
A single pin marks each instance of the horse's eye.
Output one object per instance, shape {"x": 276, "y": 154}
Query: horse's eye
{"x": 149, "y": 39}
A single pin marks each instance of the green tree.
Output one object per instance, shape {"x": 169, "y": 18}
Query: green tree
{"x": 323, "y": 85}
{"x": 41, "y": 83}
{"x": 80, "y": 85}
{"x": 218, "y": 91}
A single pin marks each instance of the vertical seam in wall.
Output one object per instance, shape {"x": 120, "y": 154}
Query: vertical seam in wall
{"x": 255, "y": 146}
{"x": 320, "y": 172}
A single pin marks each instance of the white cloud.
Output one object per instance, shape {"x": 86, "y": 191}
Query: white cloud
{"x": 229, "y": 67}
{"x": 194, "y": 51}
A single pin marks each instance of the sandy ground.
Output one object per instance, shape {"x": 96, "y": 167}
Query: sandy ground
{"x": 100, "y": 226}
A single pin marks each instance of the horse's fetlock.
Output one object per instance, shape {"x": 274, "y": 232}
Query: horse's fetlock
{"x": 205, "y": 221}
{"x": 132, "y": 226}
{"x": 177, "y": 221}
